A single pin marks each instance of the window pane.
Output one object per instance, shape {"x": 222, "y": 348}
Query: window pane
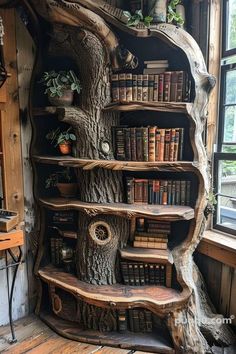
{"x": 230, "y": 89}
{"x": 230, "y": 125}
{"x": 229, "y": 148}
{"x": 231, "y": 25}
{"x": 227, "y": 187}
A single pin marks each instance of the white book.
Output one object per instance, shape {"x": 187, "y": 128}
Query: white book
{"x": 156, "y": 62}
{"x": 154, "y": 71}
{"x": 153, "y": 66}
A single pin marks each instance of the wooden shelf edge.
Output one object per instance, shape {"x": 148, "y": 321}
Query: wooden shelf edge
{"x": 147, "y": 255}
{"x": 13, "y": 238}
{"x": 155, "y": 342}
{"x": 157, "y": 299}
{"x": 163, "y": 212}
{"x": 176, "y": 107}
{"x": 87, "y": 164}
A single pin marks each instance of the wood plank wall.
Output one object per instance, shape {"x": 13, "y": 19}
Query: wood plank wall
{"x": 13, "y": 179}
{"x": 221, "y": 284}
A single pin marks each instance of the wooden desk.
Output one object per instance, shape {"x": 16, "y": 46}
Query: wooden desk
{"x": 9, "y": 240}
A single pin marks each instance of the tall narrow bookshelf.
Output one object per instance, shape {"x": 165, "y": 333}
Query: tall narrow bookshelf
{"x": 114, "y": 293}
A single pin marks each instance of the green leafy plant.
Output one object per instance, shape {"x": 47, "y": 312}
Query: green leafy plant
{"x": 57, "y": 82}
{"x": 137, "y": 17}
{"x": 58, "y": 137}
{"x": 172, "y": 15}
{"x": 63, "y": 176}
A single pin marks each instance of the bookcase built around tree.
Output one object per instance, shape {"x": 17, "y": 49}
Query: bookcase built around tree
{"x": 94, "y": 36}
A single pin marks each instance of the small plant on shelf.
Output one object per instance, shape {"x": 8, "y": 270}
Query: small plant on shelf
{"x": 62, "y": 139}
{"x": 138, "y": 18}
{"x": 60, "y": 86}
{"x": 64, "y": 181}
{"x": 172, "y": 14}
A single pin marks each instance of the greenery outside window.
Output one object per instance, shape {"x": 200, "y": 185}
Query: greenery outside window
{"x": 225, "y": 156}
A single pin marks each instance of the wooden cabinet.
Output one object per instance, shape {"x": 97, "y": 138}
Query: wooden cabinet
{"x": 88, "y": 299}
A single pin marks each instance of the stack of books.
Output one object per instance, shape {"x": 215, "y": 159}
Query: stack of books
{"x": 139, "y": 274}
{"x": 158, "y": 192}
{"x": 56, "y": 245}
{"x": 148, "y": 143}
{"x": 63, "y": 217}
{"x": 168, "y": 86}
{"x": 155, "y": 67}
{"x": 151, "y": 234}
{"x": 135, "y": 320}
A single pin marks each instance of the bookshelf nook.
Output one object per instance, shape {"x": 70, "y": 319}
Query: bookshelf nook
{"x": 115, "y": 262}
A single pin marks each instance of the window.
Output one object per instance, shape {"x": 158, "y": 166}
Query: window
{"x": 225, "y": 157}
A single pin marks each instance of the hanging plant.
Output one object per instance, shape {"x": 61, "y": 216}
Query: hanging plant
{"x": 172, "y": 15}
{"x": 137, "y": 17}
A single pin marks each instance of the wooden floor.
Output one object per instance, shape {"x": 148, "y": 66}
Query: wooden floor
{"x": 35, "y": 337}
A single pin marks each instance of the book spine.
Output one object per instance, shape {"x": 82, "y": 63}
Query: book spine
{"x": 156, "y": 88}
{"x": 130, "y": 190}
{"x": 157, "y": 144}
{"x": 177, "y": 192}
{"x": 182, "y": 192}
{"x": 173, "y": 86}
{"x": 151, "y": 144}
{"x": 161, "y": 88}
{"x": 173, "y": 193}
{"x": 167, "y": 83}
{"x": 167, "y": 145}
{"x": 169, "y": 193}
{"x": 148, "y": 321}
{"x": 127, "y": 144}
{"x": 172, "y": 145}
{"x": 151, "y": 274}
{"x": 135, "y": 88}
{"x": 140, "y": 224}
{"x": 150, "y": 192}
{"x": 131, "y": 274}
{"x": 165, "y": 192}
{"x": 125, "y": 274}
{"x": 135, "y": 314}
{"x": 162, "y": 145}
{"x": 140, "y": 88}
{"x": 133, "y": 144}
{"x": 145, "y": 88}
{"x": 138, "y": 191}
{"x": 129, "y": 87}
{"x": 181, "y": 143}
{"x": 141, "y": 274}
{"x": 145, "y": 143}
{"x": 139, "y": 144}
{"x": 145, "y": 191}
{"x": 156, "y": 192}
{"x": 180, "y": 84}
{"x": 146, "y": 273}
{"x": 122, "y": 321}
{"x": 115, "y": 88}
{"x": 122, "y": 87}
{"x": 120, "y": 143}
{"x": 188, "y": 190}
{"x": 176, "y": 144}
{"x": 157, "y": 274}
{"x": 150, "y": 87}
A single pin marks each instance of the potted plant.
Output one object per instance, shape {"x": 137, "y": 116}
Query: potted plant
{"x": 60, "y": 86}
{"x": 62, "y": 139}
{"x": 63, "y": 180}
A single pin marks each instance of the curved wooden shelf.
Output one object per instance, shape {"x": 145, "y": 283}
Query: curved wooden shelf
{"x": 157, "y": 342}
{"x": 157, "y": 299}
{"x": 86, "y": 164}
{"x": 126, "y": 106}
{"x": 168, "y": 212}
{"x": 147, "y": 255}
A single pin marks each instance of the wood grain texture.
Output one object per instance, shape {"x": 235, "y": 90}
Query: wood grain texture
{"x": 154, "y": 342}
{"x": 147, "y": 255}
{"x": 158, "y": 299}
{"x": 11, "y": 239}
{"x": 168, "y": 212}
{"x": 87, "y": 164}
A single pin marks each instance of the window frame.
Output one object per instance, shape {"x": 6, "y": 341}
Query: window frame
{"x": 219, "y": 155}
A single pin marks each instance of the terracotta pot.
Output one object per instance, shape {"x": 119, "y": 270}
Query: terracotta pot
{"x": 65, "y": 100}
{"x": 65, "y": 148}
{"x": 67, "y": 190}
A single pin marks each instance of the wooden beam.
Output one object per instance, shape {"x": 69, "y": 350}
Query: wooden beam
{"x": 13, "y": 179}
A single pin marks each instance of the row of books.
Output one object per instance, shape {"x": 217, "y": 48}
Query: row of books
{"x": 170, "y": 86}
{"x": 151, "y": 226}
{"x": 56, "y": 245}
{"x": 135, "y": 320}
{"x": 138, "y": 274}
{"x": 158, "y": 192}
{"x": 148, "y": 143}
